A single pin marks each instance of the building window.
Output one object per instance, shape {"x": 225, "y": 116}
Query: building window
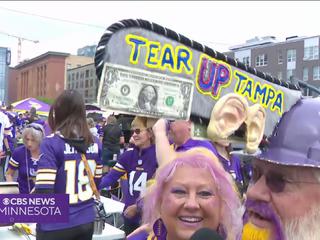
{"x": 41, "y": 72}
{"x": 316, "y": 73}
{"x": 69, "y": 77}
{"x": 280, "y": 75}
{"x": 87, "y": 73}
{"x": 86, "y": 93}
{"x": 311, "y": 48}
{"x": 311, "y": 53}
{"x": 38, "y": 73}
{"x": 305, "y": 74}
{"x": 280, "y": 57}
{"x": 246, "y": 60}
{"x": 87, "y": 83}
{"x": 72, "y": 76}
{"x": 45, "y": 71}
{"x": 91, "y": 72}
{"x": 291, "y": 55}
{"x": 77, "y": 85}
{"x": 289, "y": 74}
{"x": 81, "y": 84}
{"x": 261, "y": 60}
{"x": 91, "y": 82}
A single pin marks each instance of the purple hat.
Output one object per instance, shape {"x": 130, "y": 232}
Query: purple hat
{"x": 295, "y": 140}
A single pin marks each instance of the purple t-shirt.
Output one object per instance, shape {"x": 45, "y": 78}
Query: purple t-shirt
{"x": 60, "y": 168}
{"x": 139, "y": 168}
{"x": 47, "y": 129}
{"x": 100, "y": 130}
{"x": 27, "y": 168}
{"x": 232, "y": 166}
{"x": 20, "y": 122}
{"x": 191, "y": 143}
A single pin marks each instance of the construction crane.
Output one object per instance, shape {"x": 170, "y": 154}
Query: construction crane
{"x": 20, "y": 39}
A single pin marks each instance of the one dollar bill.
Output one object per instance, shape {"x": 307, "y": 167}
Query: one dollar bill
{"x": 143, "y": 93}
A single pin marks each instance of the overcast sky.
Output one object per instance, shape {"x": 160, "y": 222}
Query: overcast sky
{"x": 217, "y": 24}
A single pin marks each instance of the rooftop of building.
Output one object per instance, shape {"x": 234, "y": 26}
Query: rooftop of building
{"x": 82, "y": 66}
{"x": 50, "y": 53}
{"x": 258, "y": 42}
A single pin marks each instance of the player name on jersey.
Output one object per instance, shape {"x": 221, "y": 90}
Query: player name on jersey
{"x": 71, "y": 150}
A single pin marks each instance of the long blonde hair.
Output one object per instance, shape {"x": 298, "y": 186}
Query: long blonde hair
{"x": 232, "y": 210}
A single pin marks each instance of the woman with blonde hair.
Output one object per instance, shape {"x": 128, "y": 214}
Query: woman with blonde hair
{"x": 25, "y": 158}
{"x": 191, "y": 192}
{"x": 139, "y": 165}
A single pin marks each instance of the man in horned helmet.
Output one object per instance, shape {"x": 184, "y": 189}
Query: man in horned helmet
{"x": 284, "y": 194}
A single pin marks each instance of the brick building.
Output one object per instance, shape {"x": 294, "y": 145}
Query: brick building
{"x": 43, "y": 76}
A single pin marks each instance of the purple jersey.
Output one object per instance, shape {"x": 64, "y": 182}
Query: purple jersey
{"x": 232, "y": 166}
{"x": 100, "y": 130}
{"x": 39, "y": 121}
{"x": 60, "y": 169}
{"x": 139, "y": 168}
{"x": 20, "y": 121}
{"x": 27, "y": 167}
{"x": 47, "y": 129}
{"x": 191, "y": 143}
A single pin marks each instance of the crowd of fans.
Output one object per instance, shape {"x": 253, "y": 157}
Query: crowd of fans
{"x": 171, "y": 184}
{"x": 127, "y": 166}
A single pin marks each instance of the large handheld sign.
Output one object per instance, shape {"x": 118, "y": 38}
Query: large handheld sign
{"x": 148, "y": 70}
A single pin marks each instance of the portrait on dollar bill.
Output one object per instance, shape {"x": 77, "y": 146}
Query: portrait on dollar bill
{"x": 147, "y": 98}
{"x": 111, "y": 77}
{"x": 144, "y": 93}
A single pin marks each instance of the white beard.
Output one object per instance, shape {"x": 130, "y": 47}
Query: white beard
{"x": 304, "y": 228}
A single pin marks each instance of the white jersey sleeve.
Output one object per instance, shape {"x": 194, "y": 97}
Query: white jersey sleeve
{"x": 4, "y": 124}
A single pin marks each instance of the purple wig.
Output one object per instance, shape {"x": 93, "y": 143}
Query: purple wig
{"x": 231, "y": 216}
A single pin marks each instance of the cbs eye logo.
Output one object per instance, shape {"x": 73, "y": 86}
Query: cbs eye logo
{"x": 6, "y": 201}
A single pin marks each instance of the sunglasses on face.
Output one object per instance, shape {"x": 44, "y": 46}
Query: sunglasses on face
{"x": 136, "y": 131}
{"x": 34, "y": 127}
{"x": 169, "y": 123}
{"x": 275, "y": 181}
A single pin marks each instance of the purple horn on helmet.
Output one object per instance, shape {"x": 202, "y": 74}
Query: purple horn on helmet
{"x": 295, "y": 141}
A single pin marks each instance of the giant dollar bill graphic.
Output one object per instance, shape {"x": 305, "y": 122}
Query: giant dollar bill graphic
{"x": 144, "y": 93}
